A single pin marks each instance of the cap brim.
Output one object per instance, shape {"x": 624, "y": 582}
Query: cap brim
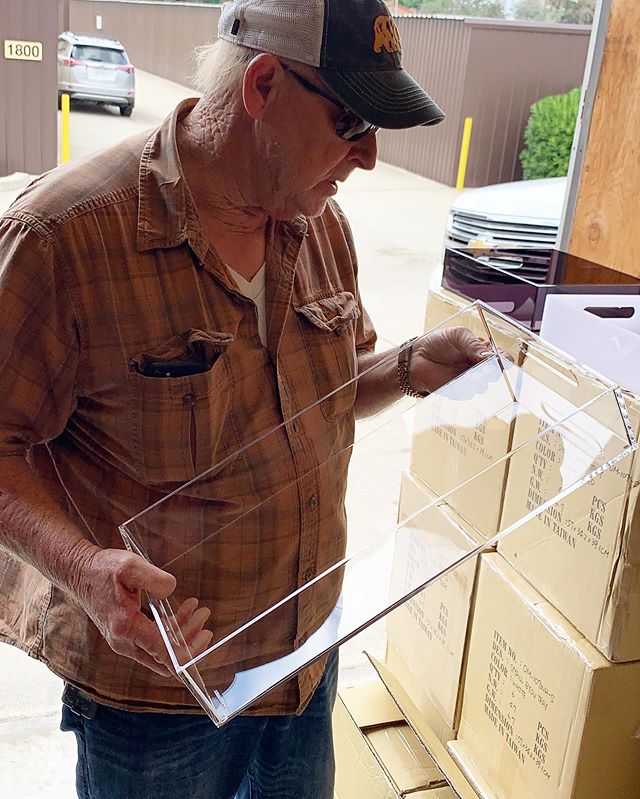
{"x": 386, "y": 98}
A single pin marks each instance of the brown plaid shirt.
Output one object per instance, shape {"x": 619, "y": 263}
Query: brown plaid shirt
{"x": 104, "y": 267}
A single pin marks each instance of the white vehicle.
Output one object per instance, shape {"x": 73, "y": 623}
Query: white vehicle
{"x": 524, "y": 213}
{"x": 96, "y": 68}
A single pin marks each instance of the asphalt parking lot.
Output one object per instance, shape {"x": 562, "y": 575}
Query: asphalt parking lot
{"x": 398, "y": 222}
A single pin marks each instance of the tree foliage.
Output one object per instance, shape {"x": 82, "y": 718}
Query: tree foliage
{"x": 468, "y": 8}
{"x": 569, "y": 11}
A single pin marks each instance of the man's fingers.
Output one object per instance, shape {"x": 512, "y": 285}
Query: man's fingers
{"x": 148, "y": 639}
{"x": 151, "y": 663}
{"x": 186, "y": 610}
{"x": 139, "y": 574}
{"x": 195, "y": 623}
{"x": 473, "y": 347}
{"x": 200, "y": 643}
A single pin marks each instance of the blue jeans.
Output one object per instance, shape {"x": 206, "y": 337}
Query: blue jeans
{"x": 125, "y": 755}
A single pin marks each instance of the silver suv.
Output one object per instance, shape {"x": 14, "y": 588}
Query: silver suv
{"x": 95, "y": 68}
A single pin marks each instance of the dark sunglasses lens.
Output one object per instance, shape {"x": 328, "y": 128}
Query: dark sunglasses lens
{"x": 351, "y": 127}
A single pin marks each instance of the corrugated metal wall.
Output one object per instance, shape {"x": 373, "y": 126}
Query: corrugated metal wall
{"x": 159, "y": 37}
{"x": 508, "y": 69}
{"x": 435, "y": 52}
{"x": 490, "y": 70}
{"x": 28, "y": 89}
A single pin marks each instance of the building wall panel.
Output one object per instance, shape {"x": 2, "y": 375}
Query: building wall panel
{"x": 28, "y": 89}
{"x": 159, "y": 37}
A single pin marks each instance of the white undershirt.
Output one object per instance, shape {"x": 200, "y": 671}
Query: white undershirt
{"x": 254, "y": 289}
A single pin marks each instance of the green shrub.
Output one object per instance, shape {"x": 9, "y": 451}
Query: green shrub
{"x": 549, "y": 135}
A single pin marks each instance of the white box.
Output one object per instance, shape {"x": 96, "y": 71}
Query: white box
{"x": 610, "y": 345}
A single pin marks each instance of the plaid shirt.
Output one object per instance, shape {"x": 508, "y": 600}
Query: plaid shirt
{"x": 104, "y": 267}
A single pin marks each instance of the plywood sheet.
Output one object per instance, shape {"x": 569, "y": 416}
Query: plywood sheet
{"x": 605, "y": 228}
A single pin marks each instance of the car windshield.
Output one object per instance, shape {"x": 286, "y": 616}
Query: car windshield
{"x": 87, "y": 52}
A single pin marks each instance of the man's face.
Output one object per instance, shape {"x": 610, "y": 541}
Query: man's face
{"x": 305, "y": 158}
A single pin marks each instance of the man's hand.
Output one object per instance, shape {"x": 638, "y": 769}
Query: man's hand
{"x": 109, "y": 585}
{"x": 444, "y": 354}
{"x": 436, "y": 358}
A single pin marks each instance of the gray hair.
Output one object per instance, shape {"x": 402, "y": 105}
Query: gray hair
{"x": 220, "y": 66}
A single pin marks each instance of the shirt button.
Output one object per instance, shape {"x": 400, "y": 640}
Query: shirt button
{"x": 307, "y": 575}
{"x": 338, "y": 331}
{"x": 312, "y": 501}
{"x": 189, "y": 399}
{"x": 295, "y": 427}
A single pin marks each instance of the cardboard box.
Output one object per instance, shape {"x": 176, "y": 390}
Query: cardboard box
{"x": 438, "y": 751}
{"x": 455, "y": 439}
{"x": 583, "y": 554}
{"x": 377, "y": 754}
{"x": 544, "y": 714}
{"x": 428, "y": 632}
{"x": 470, "y": 770}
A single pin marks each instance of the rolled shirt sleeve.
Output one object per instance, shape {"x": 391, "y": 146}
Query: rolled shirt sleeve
{"x": 39, "y": 346}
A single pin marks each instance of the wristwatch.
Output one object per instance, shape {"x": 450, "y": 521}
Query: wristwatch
{"x": 404, "y": 377}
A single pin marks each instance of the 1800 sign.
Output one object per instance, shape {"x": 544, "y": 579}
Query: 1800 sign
{"x": 23, "y": 51}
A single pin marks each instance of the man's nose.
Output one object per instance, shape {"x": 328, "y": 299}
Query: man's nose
{"x": 365, "y": 151}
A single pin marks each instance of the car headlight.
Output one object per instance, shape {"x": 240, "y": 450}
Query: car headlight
{"x": 449, "y": 225}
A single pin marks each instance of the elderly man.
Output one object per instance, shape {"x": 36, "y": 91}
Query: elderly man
{"x": 162, "y": 303}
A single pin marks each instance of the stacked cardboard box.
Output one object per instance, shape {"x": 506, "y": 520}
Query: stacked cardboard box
{"x": 544, "y": 714}
{"x": 551, "y": 698}
{"x": 427, "y": 634}
{"x": 522, "y": 677}
{"x": 378, "y": 755}
{"x": 583, "y": 554}
{"x": 469, "y": 437}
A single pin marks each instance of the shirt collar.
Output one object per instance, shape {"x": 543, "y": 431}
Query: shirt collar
{"x": 167, "y": 215}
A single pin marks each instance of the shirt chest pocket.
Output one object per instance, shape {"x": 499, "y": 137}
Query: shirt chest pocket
{"x": 179, "y": 413}
{"x": 328, "y": 330}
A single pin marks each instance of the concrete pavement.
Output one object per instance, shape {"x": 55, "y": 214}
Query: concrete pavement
{"x": 398, "y": 222}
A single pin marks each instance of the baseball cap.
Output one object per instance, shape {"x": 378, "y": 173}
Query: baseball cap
{"x": 353, "y": 44}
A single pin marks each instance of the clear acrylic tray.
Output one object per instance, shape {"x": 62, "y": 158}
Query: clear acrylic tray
{"x": 280, "y": 615}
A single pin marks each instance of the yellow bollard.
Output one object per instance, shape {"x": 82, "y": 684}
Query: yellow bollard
{"x": 464, "y": 153}
{"x": 66, "y": 107}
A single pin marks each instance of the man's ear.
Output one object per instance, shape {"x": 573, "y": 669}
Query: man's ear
{"x": 263, "y": 75}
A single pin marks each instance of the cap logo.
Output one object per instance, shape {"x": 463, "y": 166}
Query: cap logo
{"x": 385, "y": 35}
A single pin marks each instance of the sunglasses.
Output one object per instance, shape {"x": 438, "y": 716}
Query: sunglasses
{"x": 348, "y": 126}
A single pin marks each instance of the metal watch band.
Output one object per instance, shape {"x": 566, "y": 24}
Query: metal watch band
{"x": 404, "y": 362}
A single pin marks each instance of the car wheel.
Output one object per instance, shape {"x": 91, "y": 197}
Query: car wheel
{"x": 126, "y": 110}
